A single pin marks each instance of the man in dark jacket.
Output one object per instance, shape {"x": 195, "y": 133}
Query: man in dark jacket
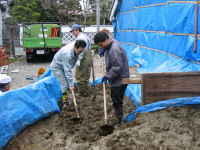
{"x": 116, "y": 69}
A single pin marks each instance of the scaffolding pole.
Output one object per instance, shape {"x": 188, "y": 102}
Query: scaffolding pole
{"x": 98, "y": 15}
{"x": 1, "y": 43}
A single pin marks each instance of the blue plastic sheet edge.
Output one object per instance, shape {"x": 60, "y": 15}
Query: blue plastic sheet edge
{"x": 48, "y": 74}
{"x": 162, "y": 105}
{"x": 22, "y": 107}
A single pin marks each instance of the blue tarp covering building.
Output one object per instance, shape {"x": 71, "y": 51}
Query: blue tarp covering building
{"x": 157, "y": 34}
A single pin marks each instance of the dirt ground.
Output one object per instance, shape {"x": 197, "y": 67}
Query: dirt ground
{"x": 173, "y": 128}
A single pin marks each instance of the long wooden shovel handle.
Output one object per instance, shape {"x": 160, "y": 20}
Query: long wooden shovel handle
{"x": 105, "y": 108}
{"x": 104, "y": 95}
{"x": 93, "y": 77}
{"x": 75, "y": 105}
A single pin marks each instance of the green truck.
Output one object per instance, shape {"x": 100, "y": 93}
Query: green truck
{"x": 41, "y": 39}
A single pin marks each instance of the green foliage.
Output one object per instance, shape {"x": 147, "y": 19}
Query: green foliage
{"x": 51, "y": 15}
{"x": 35, "y": 15}
{"x": 66, "y": 12}
{"x": 25, "y": 10}
{"x": 95, "y": 48}
{"x": 71, "y": 8}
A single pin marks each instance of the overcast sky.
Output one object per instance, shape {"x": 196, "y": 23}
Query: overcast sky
{"x": 81, "y": 2}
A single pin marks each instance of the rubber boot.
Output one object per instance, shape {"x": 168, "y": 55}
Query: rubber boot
{"x": 119, "y": 113}
{"x": 65, "y": 96}
{"x": 60, "y": 104}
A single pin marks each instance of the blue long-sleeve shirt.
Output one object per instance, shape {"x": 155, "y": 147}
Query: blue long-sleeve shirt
{"x": 65, "y": 59}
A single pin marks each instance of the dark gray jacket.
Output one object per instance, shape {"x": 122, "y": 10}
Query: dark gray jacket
{"x": 116, "y": 63}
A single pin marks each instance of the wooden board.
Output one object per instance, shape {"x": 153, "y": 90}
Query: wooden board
{"x": 164, "y": 86}
{"x": 131, "y": 80}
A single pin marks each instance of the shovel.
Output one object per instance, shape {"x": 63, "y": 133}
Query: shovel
{"x": 106, "y": 128}
{"x": 76, "y": 108}
{"x": 93, "y": 77}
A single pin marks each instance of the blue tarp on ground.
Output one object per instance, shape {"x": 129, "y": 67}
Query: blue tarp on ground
{"x": 49, "y": 74}
{"x": 158, "y": 35}
{"x": 22, "y": 107}
{"x": 162, "y": 105}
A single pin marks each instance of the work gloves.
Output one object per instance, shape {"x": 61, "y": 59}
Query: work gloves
{"x": 104, "y": 79}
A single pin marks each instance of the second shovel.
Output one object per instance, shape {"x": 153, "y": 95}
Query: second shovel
{"x": 76, "y": 119}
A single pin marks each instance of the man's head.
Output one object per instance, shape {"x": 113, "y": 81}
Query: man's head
{"x": 4, "y": 82}
{"x": 105, "y": 30}
{"x": 76, "y": 29}
{"x": 101, "y": 39}
{"x": 79, "y": 46}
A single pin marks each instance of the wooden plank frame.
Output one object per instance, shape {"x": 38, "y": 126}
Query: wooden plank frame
{"x": 131, "y": 80}
{"x": 164, "y": 86}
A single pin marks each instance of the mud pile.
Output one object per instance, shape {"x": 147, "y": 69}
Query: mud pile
{"x": 174, "y": 128}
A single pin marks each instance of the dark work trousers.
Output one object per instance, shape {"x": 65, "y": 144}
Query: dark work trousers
{"x": 117, "y": 95}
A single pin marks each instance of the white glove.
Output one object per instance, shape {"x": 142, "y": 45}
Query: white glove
{"x": 78, "y": 63}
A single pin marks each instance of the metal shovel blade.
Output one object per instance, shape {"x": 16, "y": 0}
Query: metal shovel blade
{"x": 76, "y": 119}
{"x": 106, "y": 129}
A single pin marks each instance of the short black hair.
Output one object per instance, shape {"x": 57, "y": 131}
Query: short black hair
{"x": 100, "y": 37}
{"x": 2, "y": 85}
{"x": 78, "y": 29}
{"x": 80, "y": 43}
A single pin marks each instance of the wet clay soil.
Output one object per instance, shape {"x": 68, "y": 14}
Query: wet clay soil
{"x": 173, "y": 128}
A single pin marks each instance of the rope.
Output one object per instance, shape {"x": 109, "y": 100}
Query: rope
{"x": 152, "y": 5}
{"x": 189, "y": 2}
{"x": 129, "y": 12}
{"x": 142, "y": 31}
{"x": 182, "y": 34}
{"x": 196, "y": 62}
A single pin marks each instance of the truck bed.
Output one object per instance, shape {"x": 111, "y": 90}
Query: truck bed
{"x": 51, "y": 42}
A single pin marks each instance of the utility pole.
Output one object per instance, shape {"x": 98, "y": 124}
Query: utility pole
{"x": 98, "y": 15}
